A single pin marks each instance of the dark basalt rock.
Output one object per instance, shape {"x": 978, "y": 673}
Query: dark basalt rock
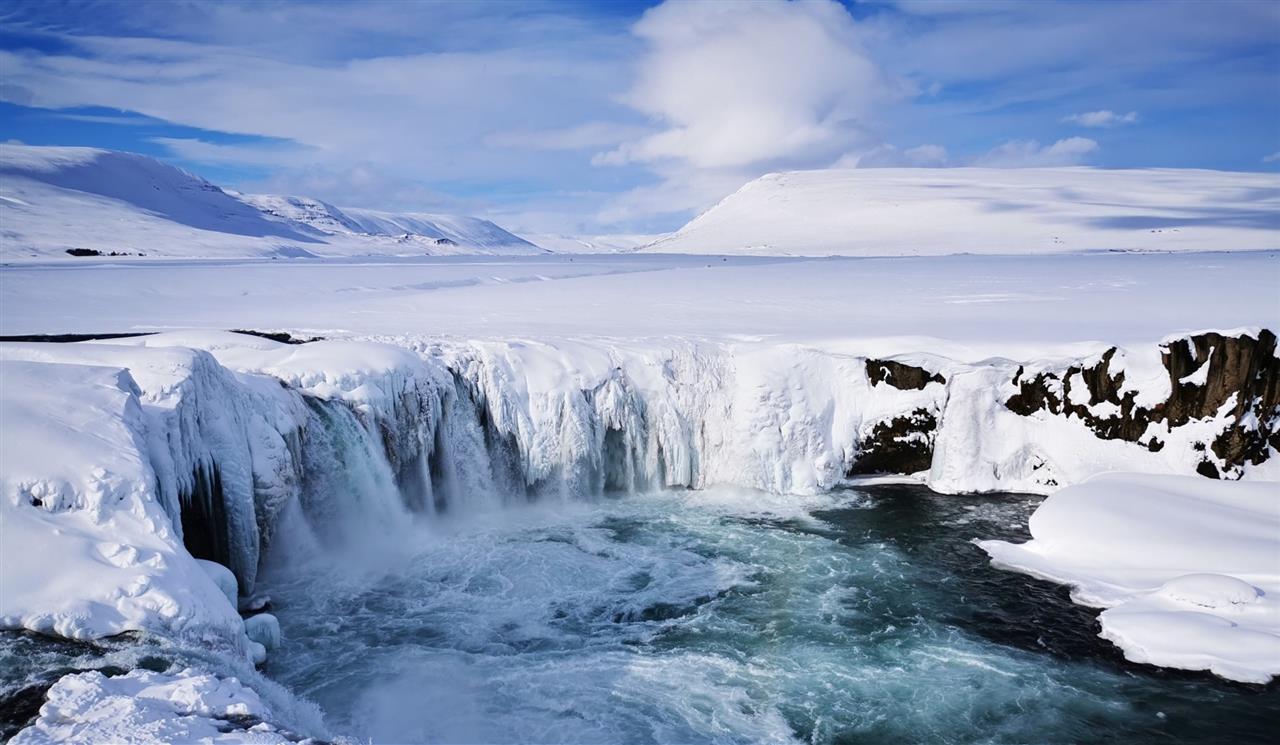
{"x": 70, "y": 338}
{"x": 901, "y": 376}
{"x": 903, "y": 444}
{"x": 1242, "y": 367}
{"x": 281, "y": 336}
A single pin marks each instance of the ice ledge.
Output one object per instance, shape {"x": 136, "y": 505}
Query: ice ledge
{"x": 1187, "y": 568}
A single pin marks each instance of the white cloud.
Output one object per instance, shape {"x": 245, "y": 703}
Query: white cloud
{"x": 421, "y": 117}
{"x": 890, "y": 156}
{"x": 1029, "y": 153}
{"x": 926, "y": 155}
{"x": 275, "y": 154}
{"x": 1272, "y": 158}
{"x": 581, "y": 137}
{"x": 738, "y": 84}
{"x": 361, "y": 185}
{"x": 510, "y": 108}
{"x": 1104, "y": 118}
{"x": 738, "y": 89}
{"x": 676, "y": 192}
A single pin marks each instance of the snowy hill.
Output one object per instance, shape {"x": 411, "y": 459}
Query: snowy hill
{"x": 461, "y": 233}
{"x": 59, "y": 199}
{"x": 919, "y": 211}
{"x": 594, "y": 244}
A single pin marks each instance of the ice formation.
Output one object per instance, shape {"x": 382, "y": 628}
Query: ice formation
{"x": 146, "y": 707}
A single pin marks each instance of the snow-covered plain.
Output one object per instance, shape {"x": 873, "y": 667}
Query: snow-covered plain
{"x": 934, "y": 211}
{"x": 1187, "y": 569}
{"x": 55, "y": 199}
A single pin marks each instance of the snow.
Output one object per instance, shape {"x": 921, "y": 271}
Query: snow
{"x": 1188, "y": 569}
{"x": 933, "y": 211}
{"x": 967, "y": 308}
{"x": 57, "y": 198}
{"x": 593, "y": 244}
{"x": 223, "y": 578}
{"x": 146, "y": 707}
{"x": 435, "y": 234}
{"x": 87, "y": 549}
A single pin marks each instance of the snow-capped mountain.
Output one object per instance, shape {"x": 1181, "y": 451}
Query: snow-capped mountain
{"x": 463, "y": 234}
{"x": 57, "y": 200}
{"x": 934, "y": 211}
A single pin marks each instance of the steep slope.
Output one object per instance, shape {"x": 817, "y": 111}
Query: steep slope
{"x": 442, "y": 233}
{"x": 56, "y": 200}
{"x": 919, "y": 211}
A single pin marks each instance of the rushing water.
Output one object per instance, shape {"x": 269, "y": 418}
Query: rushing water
{"x": 721, "y": 616}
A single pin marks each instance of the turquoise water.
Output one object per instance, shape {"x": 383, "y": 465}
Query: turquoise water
{"x": 724, "y": 616}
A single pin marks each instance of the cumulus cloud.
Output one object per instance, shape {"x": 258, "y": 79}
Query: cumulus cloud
{"x": 738, "y": 89}
{"x": 1104, "y": 118}
{"x": 738, "y": 84}
{"x": 1029, "y": 153}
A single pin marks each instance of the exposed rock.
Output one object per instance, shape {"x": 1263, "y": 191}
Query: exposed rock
{"x": 283, "y": 337}
{"x": 903, "y": 444}
{"x": 901, "y": 376}
{"x": 1207, "y": 373}
{"x": 70, "y": 338}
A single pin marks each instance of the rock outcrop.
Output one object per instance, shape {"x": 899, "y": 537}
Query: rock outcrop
{"x": 1212, "y": 376}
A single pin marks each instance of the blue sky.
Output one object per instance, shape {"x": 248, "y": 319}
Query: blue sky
{"x": 580, "y": 117}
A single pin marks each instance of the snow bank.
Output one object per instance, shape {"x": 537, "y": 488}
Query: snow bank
{"x": 933, "y": 211}
{"x": 87, "y": 548}
{"x": 1188, "y": 569}
{"x": 146, "y": 707}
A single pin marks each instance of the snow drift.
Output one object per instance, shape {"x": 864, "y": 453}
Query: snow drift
{"x": 934, "y": 211}
{"x": 59, "y": 199}
{"x": 1187, "y": 569}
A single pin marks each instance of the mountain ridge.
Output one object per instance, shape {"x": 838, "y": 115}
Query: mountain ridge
{"x": 87, "y": 201}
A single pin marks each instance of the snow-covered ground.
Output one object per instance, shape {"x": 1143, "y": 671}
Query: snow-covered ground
{"x": 1188, "y": 569}
{"x": 459, "y": 383}
{"x": 964, "y": 307}
{"x": 934, "y": 211}
{"x": 55, "y": 199}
